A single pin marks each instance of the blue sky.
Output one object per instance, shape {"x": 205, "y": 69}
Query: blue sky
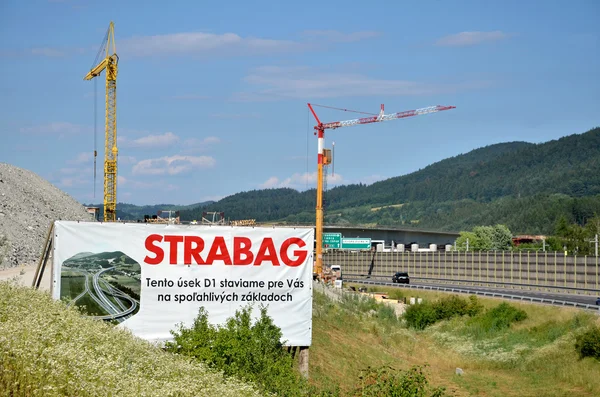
{"x": 212, "y": 98}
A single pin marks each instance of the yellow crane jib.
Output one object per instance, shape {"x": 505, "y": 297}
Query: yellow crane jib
{"x": 109, "y": 64}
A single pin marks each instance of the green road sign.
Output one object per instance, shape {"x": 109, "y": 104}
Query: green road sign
{"x": 356, "y": 243}
{"x": 332, "y": 240}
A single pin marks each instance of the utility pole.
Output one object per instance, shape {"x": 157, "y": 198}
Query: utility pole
{"x": 324, "y": 158}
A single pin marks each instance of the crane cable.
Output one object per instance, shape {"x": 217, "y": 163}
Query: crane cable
{"x": 95, "y": 130}
{"x": 96, "y": 61}
{"x": 307, "y": 139}
{"x": 342, "y": 109}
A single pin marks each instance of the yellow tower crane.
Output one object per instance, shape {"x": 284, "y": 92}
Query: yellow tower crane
{"x": 109, "y": 63}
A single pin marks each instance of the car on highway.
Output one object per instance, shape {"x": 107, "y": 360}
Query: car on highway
{"x": 401, "y": 277}
{"x": 598, "y": 301}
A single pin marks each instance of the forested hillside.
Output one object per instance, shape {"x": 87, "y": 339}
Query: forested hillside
{"x": 523, "y": 185}
{"x": 134, "y": 212}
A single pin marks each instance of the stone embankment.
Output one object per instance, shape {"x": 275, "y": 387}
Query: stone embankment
{"x": 28, "y": 205}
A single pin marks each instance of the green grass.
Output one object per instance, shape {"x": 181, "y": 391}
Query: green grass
{"x": 71, "y": 285}
{"x": 126, "y": 281}
{"x": 48, "y": 349}
{"x": 535, "y": 356}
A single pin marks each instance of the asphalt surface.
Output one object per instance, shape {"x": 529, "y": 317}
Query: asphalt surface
{"x": 98, "y": 294}
{"x": 581, "y": 299}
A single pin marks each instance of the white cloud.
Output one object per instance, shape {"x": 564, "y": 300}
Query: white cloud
{"x": 274, "y": 82}
{"x": 300, "y": 181}
{"x": 82, "y": 158}
{"x": 149, "y": 141}
{"x": 168, "y": 138}
{"x": 470, "y": 38}
{"x": 202, "y": 43}
{"x": 74, "y": 177}
{"x": 172, "y": 165}
{"x": 334, "y": 36}
{"x": 60, "y": 128}
{"x": 199, "y": 43}
{"x": 126, "y": 160}
{"x": 270, "y": 183}
{"x": 232, "y": 43}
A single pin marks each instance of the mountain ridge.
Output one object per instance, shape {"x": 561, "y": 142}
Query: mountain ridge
{"x": 489, "y": 184}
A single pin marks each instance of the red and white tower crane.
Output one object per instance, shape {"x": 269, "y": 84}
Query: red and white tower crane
{"x": 324, "y": 158}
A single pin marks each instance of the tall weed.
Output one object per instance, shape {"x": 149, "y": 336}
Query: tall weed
{"x": 48, "y": 349}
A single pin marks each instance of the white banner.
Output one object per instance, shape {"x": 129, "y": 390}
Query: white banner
{"x": 152, "y": 277}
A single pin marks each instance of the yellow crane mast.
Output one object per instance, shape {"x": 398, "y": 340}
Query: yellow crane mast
{"x": 109, "y": 63}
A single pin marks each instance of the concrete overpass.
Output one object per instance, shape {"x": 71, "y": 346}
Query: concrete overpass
{"x": 404, "y": 236}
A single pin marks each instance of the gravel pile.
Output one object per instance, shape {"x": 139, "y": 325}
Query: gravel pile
{"x": 28, "y": 205}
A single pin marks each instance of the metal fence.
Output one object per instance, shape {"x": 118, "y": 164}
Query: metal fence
{"x": 508, "y": 269}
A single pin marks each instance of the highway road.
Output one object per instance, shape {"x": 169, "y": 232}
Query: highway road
{"x": 526, "y": 294}
{"x": 99, "y": 295}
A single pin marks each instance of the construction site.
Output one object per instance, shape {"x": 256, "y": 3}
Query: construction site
{"x": 242, "y": 274}
{"x": 107, "y": 63}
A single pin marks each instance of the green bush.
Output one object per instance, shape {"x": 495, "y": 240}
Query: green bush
{"x": 587, "y": 344}
{"x": 387, "y": 382}
{"x": 494, "y": 320}
{"x": 474, "y": 307}
{"x": 422, "y": 315}
{"x": 253, "y": 352}
{"x": 449, "y": 307}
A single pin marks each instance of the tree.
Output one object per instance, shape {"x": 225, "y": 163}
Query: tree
{"x": 484, "y": 238}
{"x": 501, "y": 238}
{"x": 461, "y": 241}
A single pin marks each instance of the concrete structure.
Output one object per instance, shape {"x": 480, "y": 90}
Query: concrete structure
{"x": 404, "y": 236}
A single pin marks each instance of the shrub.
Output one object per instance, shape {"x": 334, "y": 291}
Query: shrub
{"x": 253, "y": 352}
{"x": 449, "y": 307}
{"x": 387, "y": 382}
{"x": 495, "y": 320}
{"x": 422, "y": 315}
{"x": 587, "y": 344}
{"x": 474, "y": 307}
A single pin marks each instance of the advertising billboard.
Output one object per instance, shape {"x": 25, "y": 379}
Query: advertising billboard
{"x": 150, "y": 277}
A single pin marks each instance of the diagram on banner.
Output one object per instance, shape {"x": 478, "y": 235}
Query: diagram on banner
{"x": 105, "y": 284}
